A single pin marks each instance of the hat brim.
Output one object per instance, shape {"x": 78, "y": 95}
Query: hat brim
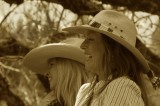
{"x": 84, "y": 28}
{"x": 37, "y": 59}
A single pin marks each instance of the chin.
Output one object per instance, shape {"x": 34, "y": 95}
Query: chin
{"x": 88, "y": 68}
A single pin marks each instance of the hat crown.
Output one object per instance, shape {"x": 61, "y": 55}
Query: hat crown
{"x": 119, "y": 23}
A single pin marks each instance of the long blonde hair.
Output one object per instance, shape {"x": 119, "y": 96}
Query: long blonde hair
{"x": 71, "y": 75}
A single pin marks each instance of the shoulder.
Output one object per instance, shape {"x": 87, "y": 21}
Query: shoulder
{"x": 122, "y": 92}
{"x": 122, "y": 80}
{"x": 124, "y": 83}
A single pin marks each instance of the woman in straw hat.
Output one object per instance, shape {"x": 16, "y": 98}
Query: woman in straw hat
{"x": 64, "y": 65}
{"x": 111, "y": 55}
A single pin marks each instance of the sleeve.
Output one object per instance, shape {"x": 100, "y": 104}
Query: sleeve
{"x": 123, "y": 92}
{"x": 81, "y": 93}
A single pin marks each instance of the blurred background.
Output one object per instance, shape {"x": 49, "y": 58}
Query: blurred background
{"x": 26, "y": 24}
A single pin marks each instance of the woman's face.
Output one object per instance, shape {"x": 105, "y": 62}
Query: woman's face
{"x": 94, "y": 51}
{"x": 52, "y": 75}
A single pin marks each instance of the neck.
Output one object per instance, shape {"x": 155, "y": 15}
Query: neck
{"x": 101, "y": 76}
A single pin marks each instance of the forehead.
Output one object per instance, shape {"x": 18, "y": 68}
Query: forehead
{"x": 91, "y": 33}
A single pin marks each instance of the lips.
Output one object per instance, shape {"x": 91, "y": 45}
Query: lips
{"x": 87, "y": 56}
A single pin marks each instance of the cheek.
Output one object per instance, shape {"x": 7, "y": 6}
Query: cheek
{"x": 97, "y": 58}
{"x": 54, "y": 78}
{"x": 100, "y": 56}
{"x": 97, "y": 62}
{"x": 53, "y": 82}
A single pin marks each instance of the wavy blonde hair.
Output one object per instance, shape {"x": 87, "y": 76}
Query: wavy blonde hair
{"x": 71, "y": 75}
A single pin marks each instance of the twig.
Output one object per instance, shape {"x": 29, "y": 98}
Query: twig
{"x": 60, "y": 19}
{"x": 8, "y": 67}
{"x": 7, "y": 15}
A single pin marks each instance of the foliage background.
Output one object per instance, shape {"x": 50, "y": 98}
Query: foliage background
{"x": 27, "y": 24}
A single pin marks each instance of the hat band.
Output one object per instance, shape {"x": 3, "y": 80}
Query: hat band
{"x": 108, "y": 27}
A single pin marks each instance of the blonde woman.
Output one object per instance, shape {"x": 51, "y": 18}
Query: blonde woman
{"x": 63, "y": 63}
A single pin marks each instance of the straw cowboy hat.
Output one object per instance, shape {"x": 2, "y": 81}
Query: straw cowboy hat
{"x": 37, "y": 59}
{"x": 116, "y": 26}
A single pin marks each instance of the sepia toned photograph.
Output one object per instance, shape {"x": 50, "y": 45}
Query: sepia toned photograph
{"x": 79, "y": 53}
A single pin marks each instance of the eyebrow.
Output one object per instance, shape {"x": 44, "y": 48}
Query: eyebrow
{"x": 89, "y": 34}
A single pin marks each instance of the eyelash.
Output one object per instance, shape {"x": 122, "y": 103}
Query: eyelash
{"x": 89, "y": 39}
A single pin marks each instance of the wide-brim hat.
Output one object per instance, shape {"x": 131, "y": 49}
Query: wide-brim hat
{"x": 37, "y": 59}
{"x": 118, "y": 27}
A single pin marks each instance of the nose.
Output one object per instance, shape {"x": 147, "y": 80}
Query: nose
{"x": 83, "y": 45}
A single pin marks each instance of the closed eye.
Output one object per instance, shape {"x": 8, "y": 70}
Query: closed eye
{"x": 90, "y": 39}
{"x": 51, "y": 62}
